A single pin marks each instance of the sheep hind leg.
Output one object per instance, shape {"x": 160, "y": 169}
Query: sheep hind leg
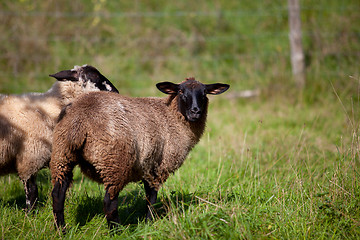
{"x": 151, "y": 196}
{"x": 110, "y": 209}
{"x": 31, "y": 192}
{"x": 58, "y": 195}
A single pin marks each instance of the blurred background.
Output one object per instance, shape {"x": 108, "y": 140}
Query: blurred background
{"x": 138, "y": 43}
{"x": 281, "y": 164}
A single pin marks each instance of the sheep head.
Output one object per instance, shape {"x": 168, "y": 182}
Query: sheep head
{"x": 88, "y": 75}
{"x": 192, "y": 100}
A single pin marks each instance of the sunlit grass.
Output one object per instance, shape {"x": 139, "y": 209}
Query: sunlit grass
{"x": 259, "y": 173}
{"x": 282, "y": 165}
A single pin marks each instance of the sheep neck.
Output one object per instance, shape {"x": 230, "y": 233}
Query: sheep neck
{"x": 196, "y": 129}
{"x": 65, "y": 91}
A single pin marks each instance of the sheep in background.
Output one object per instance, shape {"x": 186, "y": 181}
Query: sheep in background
{"x": 117, "y": 140}
{"x": 27, "y": 122}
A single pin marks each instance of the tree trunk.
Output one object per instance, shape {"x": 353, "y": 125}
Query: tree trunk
{"x": 297, "y": 54}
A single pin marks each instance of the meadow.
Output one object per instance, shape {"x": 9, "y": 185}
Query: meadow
{"x": 280, "y": 165}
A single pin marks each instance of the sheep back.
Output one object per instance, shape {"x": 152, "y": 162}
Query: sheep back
{"x": 26, "y": 127}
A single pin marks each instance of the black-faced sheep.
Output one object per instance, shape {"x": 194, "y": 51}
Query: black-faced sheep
{"x": 117, "y": 140}
{"x": 27, "y": 122}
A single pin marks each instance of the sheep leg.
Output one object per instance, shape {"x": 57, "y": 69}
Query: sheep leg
{"x": 58, "y": 195}
{"x": 31, "y": 192}
{"x": 151, "y": 196}
{"x": 110, "y": 209}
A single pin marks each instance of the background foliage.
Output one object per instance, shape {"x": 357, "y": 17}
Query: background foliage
{"x": 281, "y": 165}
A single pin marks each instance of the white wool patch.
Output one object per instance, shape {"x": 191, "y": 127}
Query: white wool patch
{"x": 108, "y": 87}
{"x": 26, "y": 193}
{"x": 90, "y": 86}
{"x": 120, "y": 106}
{"x": 82, "y": 80}
{"x": 76, "y": 67}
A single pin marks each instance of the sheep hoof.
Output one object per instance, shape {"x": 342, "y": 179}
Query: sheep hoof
{"x": 60, "y": 229}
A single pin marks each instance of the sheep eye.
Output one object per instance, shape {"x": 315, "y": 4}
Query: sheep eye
{"x": 181, "y": 92}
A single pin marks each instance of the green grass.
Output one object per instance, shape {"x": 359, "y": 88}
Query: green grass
{"x": 270, "y": 171}
{"x": 283, "y": 165}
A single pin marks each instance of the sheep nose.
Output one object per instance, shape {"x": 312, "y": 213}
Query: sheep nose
{"x": 195, "y": 110}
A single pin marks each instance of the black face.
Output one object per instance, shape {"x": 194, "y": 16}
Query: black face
{"x": 192, "y": 96}
{"x": 192, "y": 99}
{"x": 87, "y": 74}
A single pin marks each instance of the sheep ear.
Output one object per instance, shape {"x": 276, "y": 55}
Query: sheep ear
{"x": 168, "y": 87}
{"x": 65, "y": 75}
{"x": 216, "y": 88}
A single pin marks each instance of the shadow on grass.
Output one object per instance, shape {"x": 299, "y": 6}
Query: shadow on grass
{"x": 132, "y": 206}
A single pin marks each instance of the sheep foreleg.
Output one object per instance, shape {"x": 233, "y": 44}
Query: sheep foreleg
{"x": 110, "y": 209}
{"x": 31, "y": 192}
{"x": 151, "y": 196}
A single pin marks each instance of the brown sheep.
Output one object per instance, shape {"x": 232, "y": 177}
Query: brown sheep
{"x": 27, "y": 122}
{"x": 117, "y": 140}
